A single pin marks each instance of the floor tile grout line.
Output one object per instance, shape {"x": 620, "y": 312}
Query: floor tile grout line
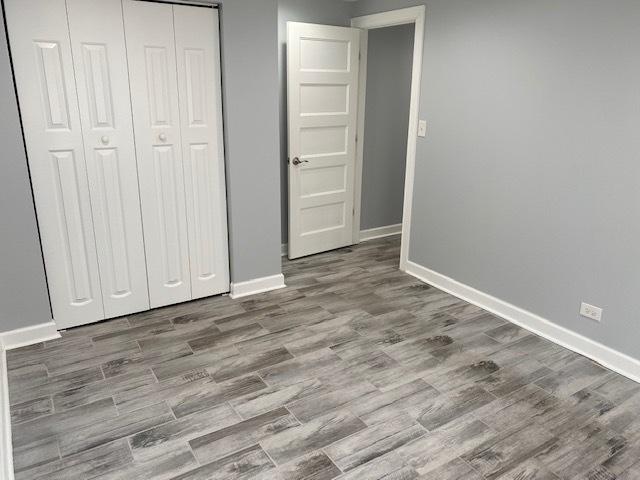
{"x": 293, "y": 415}
{"x": 471, "y": 466}
{"x": 323, "y": 450}
{"x": 276, "y": 466}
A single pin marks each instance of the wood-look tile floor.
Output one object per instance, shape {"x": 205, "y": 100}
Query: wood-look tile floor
{"x": 354, "y": 371}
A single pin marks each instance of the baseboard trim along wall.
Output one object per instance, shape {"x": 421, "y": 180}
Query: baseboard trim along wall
{"x": 6, "y": 450}
{"x": 606, "y": 356}
{"x": 23, "y": 337}
{"x": 380, "y": 232}
{"x": 257, "y": 285}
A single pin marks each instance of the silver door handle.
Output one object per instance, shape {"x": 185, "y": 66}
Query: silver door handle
{"x": 297, "y": 161}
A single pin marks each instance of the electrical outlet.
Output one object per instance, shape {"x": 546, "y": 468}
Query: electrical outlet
{"x": 590, "y": 311}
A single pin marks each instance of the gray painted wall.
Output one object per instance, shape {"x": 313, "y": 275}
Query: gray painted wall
{"x": 24, "y": 299}
{"x": 250, "y": 74}
{"x": 389, "y": 62}
{"x": 250, "y": 85}
{"x": 327, "y": 12}
{"x": 527, "y": 185}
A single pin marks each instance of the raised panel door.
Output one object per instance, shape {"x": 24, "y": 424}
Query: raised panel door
{"x": 41, "y": 52}
{"x": 151, "y": 57}
{"x": 322, "y": 100}
{"x": 199, "y": 87}
{"x": 98, "y": 46}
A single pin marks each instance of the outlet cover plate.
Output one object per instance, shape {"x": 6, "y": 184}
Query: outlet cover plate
{"x": 591, "y": 311}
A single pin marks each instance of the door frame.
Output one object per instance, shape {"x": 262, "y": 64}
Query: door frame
{"x": 415, "y": 15}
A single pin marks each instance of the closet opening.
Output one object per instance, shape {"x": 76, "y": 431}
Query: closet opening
{"x": 121, "y": 107}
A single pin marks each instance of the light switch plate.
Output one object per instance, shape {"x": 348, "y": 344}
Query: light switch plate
{"x": 422, "y": 128}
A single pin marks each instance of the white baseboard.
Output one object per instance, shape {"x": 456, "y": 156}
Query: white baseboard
{"x": 380, "y": 232}
{"x": 23, "y": 337}
{"x": 6, "y": 449}
{"x": 257, "y": 285}
{"x": 606, "y": 356}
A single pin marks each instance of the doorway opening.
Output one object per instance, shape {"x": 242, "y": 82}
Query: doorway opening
{"x": 353, "y": 130}
{"x": 379, "y": 194}
{"x": 393, "y": 39}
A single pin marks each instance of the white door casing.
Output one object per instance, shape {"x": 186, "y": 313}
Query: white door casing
{"x": 403, "y": 16}
{"x": 322, "y": 79}
{"x": 200, "y": 94}
{"x": 102, "y": 82}
{"x": 151, "y": 56}
{"x": 43, "y": 67}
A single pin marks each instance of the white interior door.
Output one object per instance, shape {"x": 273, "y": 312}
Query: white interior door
{"x": 43, "y": 68}
{"x": 199, "y": 87}
{"x": 154, "y": 94}
{"x": 322, "y": 73}
{"x": 102, "y": 80}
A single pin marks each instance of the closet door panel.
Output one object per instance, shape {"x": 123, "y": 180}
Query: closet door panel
{"x": 98, "y": 46}
{"x": 41, "y": 53}
{"x": 156, "y": 117}
{"x": 198, "y": 59}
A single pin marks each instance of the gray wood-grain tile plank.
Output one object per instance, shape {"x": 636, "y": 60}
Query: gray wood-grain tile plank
{"x": 189, "y": 401}
{"x": 112, "y": 429}
{"x": 31, "y": 409}
{"x": 270, "y": 398}
{"x": 377, "y": 407}
{"x": 238, "y": 365}
{"x": 451, "y": 406}
{"x": 33, "y": 455}
{"x": 314, "y": 466}
{"x": 164, "y": 464}
{"x": 533, "y": 469}
{"x": 311, "y": 436}
{"x": 145, "y": 360}
{"x": 374, "y": 442}
{"x": 180, "y": 431}
{"x": 387, "y": 467}
{"x": 86, "y": 464}
{"x": 94, "y": 391}
{"x": 456, "y": 469}
{"x": 438, "y": 448}
{"x": 499, "y": 455}
{"x": 334, "y": 394}
{"x": 248, "y": 463}
{"x": 56, "y": 383}
{"x": 225, "y": 441}
{"x": 63, "y": 423}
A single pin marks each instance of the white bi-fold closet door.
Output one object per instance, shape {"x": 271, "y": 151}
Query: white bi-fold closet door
{"x": 79, "y": 141}
{"x": 94, "y": 198}
{"x": 174, "y": 63}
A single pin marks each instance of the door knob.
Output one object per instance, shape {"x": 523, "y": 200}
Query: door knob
{"x": 162, "y": 137}
{"x": 297, "y": 161}
{"x": 104, "y": 140}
